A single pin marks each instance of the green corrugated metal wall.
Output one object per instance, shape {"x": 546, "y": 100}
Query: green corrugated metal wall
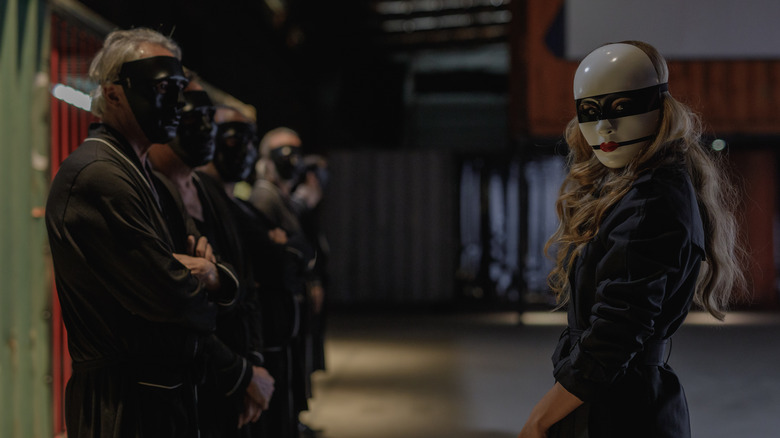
{"x": 25, "y": 388}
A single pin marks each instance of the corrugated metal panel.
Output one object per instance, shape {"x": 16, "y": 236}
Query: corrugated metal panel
{"x": 25, "y": 390}
{"x": 393, "y": 234}
{"x": 758, "y": 210}
{"x": 734, "y": 97}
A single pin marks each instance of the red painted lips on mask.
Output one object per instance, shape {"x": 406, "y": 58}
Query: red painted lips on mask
{"x": 609, "y": 146}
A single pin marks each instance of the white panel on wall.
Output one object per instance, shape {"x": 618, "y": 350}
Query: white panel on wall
{"x": 690, "y": 29}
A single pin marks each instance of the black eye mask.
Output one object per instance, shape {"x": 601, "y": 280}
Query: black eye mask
{"x": 194, "y": 143}
{"x": 153, "y": 86}
{"x": 236, "y": 152}
{"x": 644, "y": 100}
{"x": 196, "y": 98}
{"x": 287, "y": 160}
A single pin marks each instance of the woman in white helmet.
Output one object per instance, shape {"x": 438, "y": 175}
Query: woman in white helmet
{"x": 646, "y": 228}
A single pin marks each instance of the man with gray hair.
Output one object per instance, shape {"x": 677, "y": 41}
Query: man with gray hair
{"x": 138, "y": 309}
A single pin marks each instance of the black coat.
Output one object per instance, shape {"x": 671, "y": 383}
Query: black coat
{"x": 278, "y": 271}
{"x": 135, "y": 316}
{"x": 240, "y": 326}
{"x": 632, "y": 287}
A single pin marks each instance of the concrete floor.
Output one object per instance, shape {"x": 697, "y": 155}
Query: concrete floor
{"x": 478, "y": 376}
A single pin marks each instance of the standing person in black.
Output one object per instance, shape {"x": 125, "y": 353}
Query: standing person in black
{"x": 313, "y": 176}
{"x": 278, "y": 261}
{"x": 136, "y": 311}
{"x": 284, "y": 193}
{"x": 643, "y": 206}
{"x": 225, "y": 406}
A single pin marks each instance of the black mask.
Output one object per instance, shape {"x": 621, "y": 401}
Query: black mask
{"x": 194, "y": 143}
{"x": 632, "y": 103}
{"x": 236, "y": 152}
{"x": 153, "y": 86}
{"x": 288, "y": 161}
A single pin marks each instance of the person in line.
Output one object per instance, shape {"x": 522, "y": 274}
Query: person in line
{"x": 224, "y": 406}
{"x": 642, "y": 208}
{"x": 135, "y": 310}
{"x": 285, "y": 192}
{"x": 314, "y": 173}
{"x": 277, "y": 262}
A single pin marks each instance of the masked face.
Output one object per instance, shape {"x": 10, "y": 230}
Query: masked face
{"x": 236, "y": 150}
{"x": 618, "y": 97}
{"x": 287, "y": 160}
{"x": 153, "y": 87}
{"x": 195, "y": 136}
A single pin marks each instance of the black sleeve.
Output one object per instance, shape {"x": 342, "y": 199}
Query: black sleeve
{"x": 112, "y": 225}
{"x": 232, "y": 372}
{"x": 181, "y": 225}
{"x": 647, "y": 251}
{"x": 255, "y": 322}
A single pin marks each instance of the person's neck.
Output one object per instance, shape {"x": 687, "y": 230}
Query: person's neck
{"x": 132, "y": 134}
{"x": 211, "y": 170}
{"x": 285, "y": 186}
{"x": 230, "y": 190}
{"x": 139, "y": 143}
{"x": 165, "y": 161}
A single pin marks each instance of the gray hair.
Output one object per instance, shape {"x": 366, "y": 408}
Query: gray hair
{"x": 119, "y": 47}
{"x": 265, "y": 142}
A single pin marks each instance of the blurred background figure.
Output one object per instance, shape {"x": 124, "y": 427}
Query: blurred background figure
{"x": 288, "y": 190}
{"x": 276, "y": 266}
{"x": 237, "y": 388}
{"x": 314, "y": 173}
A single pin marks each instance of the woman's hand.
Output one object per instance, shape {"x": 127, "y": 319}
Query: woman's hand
{"x": 532, "y": 430}
{"x": 552, "y": 408}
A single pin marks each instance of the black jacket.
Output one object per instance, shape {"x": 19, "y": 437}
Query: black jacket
{"x": 135, "y": 316}
{"x": 632, "y": 287}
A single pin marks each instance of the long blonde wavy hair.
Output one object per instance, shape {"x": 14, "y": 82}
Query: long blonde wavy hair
{"x": 590, "y": 189}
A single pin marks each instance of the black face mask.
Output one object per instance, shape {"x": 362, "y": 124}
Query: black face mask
{"x": 153, "y": 87}
{"x": 288, "y": 161}
{"x": 236, "y": 152}
{"x": 622, "y": 104}
{"x": 194, "y": 143}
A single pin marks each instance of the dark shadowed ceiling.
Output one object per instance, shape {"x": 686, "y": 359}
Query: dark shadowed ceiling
{"x": 321, "y": 67}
